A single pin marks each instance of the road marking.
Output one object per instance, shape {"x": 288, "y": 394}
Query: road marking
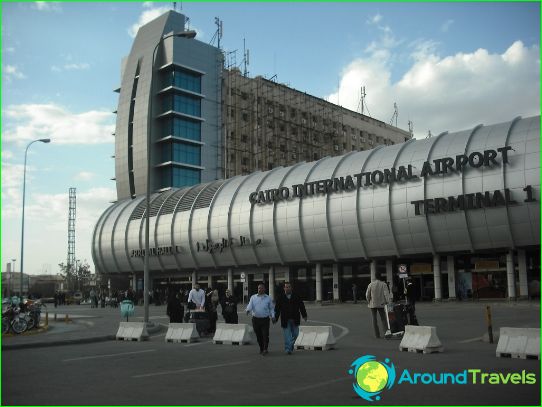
{"x": 190, "y": 369}
{"x": 345, "y": 330}
{"x": 109, "y": 355}
{"x": 471, "y": 340}
{"x": 314, "y": 386}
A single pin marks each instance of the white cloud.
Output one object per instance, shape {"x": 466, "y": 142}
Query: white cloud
{"x": 446, "y": 25}
{"x": 29, "y": 121}
{"x": 146, "y": 16}
{"x": 447, "y": 93}
{"x": 375, "y": 19}
{"x": 7, "y": 155}
{"x": 11, "y": 50}
{"x": 84, "y": 176}
{"x": 70, "y": 67}
{"x": 46, "y": 218}
{"x": 47, "y": 6}
{"x": 11, "y": 71}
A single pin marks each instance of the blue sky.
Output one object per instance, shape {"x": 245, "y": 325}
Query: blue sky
{"x": 449, "y": 66}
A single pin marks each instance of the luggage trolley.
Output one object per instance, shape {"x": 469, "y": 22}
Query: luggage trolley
{"x": 397, "y": 319}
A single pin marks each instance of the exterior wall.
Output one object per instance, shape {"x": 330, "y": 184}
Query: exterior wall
{"x": 135, "y": 94}
{"x": 366, "y": 222}
{"x": 268, "y": 124}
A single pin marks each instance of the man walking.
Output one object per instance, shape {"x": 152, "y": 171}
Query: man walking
{"x": 289, "y": 307}
{"x": 378, "y": 295}
{"x": 261, "y": 307}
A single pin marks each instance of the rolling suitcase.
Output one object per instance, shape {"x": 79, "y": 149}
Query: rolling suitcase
{"x": 395, "y": 316}
{"x": 201, "y": 319}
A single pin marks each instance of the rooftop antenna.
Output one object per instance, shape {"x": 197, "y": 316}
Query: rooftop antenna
{"x": 395, "y": 114}
{"x": 175, "y": 6}
{"x": 218, "y": 32}
{"x": 246, "y": 61}
{"x": 429, "y": 135}
{"x": 361, "y": 104}
{"x": 411, "y": 128}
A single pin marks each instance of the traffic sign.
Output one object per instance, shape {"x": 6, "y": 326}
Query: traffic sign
{"x": 403, "y": 271}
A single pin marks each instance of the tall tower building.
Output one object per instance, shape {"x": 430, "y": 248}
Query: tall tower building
{"x": 185, "y": 110}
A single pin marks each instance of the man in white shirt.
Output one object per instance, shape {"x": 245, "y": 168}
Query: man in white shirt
{"x": 197, "y": 296}
{"x": 262, "y": 309}
{"x": 377, "y": 296}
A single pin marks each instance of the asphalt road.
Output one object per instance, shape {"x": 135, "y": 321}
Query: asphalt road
{"x": 159, "y": 373}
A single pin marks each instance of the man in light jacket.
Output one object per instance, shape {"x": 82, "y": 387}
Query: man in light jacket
{"x": 377, "y": 296}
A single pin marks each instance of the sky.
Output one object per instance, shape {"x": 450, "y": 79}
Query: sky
{"x": 448, "y": 66}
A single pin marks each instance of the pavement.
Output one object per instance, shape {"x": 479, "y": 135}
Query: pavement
{"x": 85, "y": 367}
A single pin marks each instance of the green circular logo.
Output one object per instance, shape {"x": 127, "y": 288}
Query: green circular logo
{"x": 372, "y": 376}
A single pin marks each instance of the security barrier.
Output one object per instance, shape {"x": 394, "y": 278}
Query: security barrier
{"x": 420, "y": 339}
{"x": 315, "y": 338}
{"x": 183, "y": 333}
{"x": 232, "y": 334}
{"x": 523, "y": 343}
{"x": 132, "y": 331}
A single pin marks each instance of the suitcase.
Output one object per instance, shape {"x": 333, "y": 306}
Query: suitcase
{"x": 396, "y": 318}
{"x": 201, "y": 319}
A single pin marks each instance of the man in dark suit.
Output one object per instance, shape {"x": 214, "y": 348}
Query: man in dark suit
{"x": 290, "y": 308}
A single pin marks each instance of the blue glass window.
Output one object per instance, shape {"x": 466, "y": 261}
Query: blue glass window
{"x": 182, "y": 79}
{"x": 180, "y": 177}
{"x": 182, "y": 153}
{"x": 182, "y": 104}
{"x": 184, "y": 128}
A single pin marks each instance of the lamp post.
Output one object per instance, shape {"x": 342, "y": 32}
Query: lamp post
{"x": 185, "y": 34}
{"x": 42, "y": 140}
{"x": 10, "y": 274}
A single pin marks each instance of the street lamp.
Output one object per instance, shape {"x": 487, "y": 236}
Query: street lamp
{"x": 185, "y": 34}
{"x": 42, "y": 140}
{"x": 9, "y": 277}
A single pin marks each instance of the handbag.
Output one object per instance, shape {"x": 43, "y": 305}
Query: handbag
{"x": 191, "y": 305}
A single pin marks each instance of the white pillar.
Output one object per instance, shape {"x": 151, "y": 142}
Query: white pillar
{"x": 510, "y": 275}
{"x": 287, "y": 275}
{"x": 336, "y": 286}
{"x": 436, "y": 277}
{"x": 450, "y": 267}
{"x": 134, "y": 282}
{"x": 522, "y": 268}
{"x": 210, "y": 280}
{"x": 373, "y": 270}
{"x": 272, "y": 282}
{"x": 389, "y": 274}
{"x": 194, "y": 278}
{"x": 319, "y": 282}
{"x": 230, "y": 280}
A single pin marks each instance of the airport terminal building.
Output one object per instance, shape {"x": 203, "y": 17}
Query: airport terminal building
{"x": 461, "y": 211}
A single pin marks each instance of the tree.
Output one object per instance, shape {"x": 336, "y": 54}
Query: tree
{"x": 77, "y": 275}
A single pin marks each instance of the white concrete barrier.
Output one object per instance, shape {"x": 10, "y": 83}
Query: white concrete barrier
{"x": 420, "y": 339}
{"x": 233, "y": 334}
{"x": 523, "y": 343}
{"x": 132, "y": 331}
{"x": 315, "y": 338}
{"x": 183, "y": 333}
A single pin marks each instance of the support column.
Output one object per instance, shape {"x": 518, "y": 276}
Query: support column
{"x": 271, "y": 289}
{"x": 510, "y": 275}
{"x": 249, "y": 278}
{"x": 336, "y": 283}
{"x": 210, "y": 280}
{"x": 230, "y": 280}
{"x": 373, "y": 270}
{"x": 522, "y": 268}
{"x": 287, "y": 275}
{"x": 389, "y": 274}
{"x": 450, "y": 266}
{"x": 194, "y": 278}
{"x": 436, "y": 277}
{"x": 318, "y": 282}
{"x": 134, "y": 282}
